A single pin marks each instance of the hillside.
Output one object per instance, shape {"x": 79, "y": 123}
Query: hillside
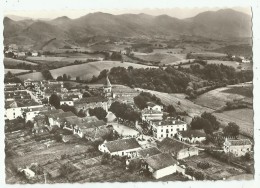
{"x": 222, "y": 24}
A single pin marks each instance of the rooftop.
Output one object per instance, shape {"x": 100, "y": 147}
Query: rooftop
{"x": 147, "y": 152}
{"x": 123, "y": 144}
{"x": 240, "y": 142}
{"x": 147, "y": 111}
{"x": 167, "y": 122}
{"x": 172, "y": 145}
{"x": 193, "y": 133}
{"x": 107, "y": 83}
{"x": 62, "y": 115}
{"x": 160, "y": 161}
{"x": 90, "y": 100}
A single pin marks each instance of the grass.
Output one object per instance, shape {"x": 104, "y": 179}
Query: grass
{"x": 33, "y": 76}
{"x": 88, "y": 70}
{"x": 209, "y": 54}
{"x": 236, "y": 65}
{"x": 16, "y": 71}
{"x": 10, "y": 61}
{"x": 217, "y": 98}
{"x": 242, "y": 117}
{"x": 158, "y": 57}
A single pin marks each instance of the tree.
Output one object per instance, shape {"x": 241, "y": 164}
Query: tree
{"x": 65, "y": 78}
{"x": 99, "y": 112}
{"x": 171, "y": 110}
{"x": 86, "y": 94}
{"x": 81, "y": 113}
{"x": 67, "y": 108}
{"x": 201, "y": 123}
{"x": 212, "y": 119}
{"x": 130, "y": 68}
{"x": 47, "y": 74}
{"x": 59, "y": 78}
{"x": 55, "y": 101}
{"x": 77, "y": 78}
{"x": 231, "y": 130}
{"x": 29, "y": 124}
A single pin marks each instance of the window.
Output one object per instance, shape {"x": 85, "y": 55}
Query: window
{"x": 161, "y": 130}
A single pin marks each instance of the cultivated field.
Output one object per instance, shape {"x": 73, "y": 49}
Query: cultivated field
{"x": 88, "y": 70}
{"x": 15, "y": 71}
{"x": 10, "y": 61}
{"x": 208, "y": 54}
{"x": 218, "y": 171}
{"x": 244, "y": 118}
{"x": 158, "y": 57}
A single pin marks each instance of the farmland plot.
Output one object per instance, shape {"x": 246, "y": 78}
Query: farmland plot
{"x": 88, "y": 70}
{"x": 33, "y": 76}
{"x": 10, "y": 61}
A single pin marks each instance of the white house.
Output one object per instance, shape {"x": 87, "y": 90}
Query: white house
{"x": 83, "y": 127}
{"x": 148, "y": 115}
{"x": 34, "y": 54}
{"x": 161, "y": 165}
{"x": 167, "y": 128}
{"x": 192, "y": 136}
{"x": 32, "y": 112}
{"x": 67, "y": 102}
{"x": 28, "y": 173}
{"x": 245, "y": 61}
{"x": 123, "y": 147}
{"x": 14, "y": 109}
{"x": 153, "y": 106}
{"x": 237, "y": 147}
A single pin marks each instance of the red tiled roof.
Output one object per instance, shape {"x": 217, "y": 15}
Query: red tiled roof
{"x": 160, "y": 161}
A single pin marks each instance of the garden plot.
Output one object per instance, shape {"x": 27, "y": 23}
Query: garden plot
{"x": 218, "y": 169}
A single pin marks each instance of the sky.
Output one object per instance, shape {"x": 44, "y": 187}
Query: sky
{"x": 76, "y": 8}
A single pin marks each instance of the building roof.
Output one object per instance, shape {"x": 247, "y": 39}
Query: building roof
{"x": 54, "y": 111}
{"x": 91, "y": 100}
{"x": 167, "y": 122}
{"x": 122, "y": 144}
{"x": 92, "y": 124}
{"x": 62, "y": 115}
{"x": 193, "y": 133}
{"x": 26, "y": 103}
{"x": 240, "y": 142}
{"x": 110, "y": 117}
{"x": 147, "y": 111}
{"x": 160, "y": 161}
{"x": 97, "y": 133}
{"x": 151, "y": 104}
{"x": 147, "y": 152}
{"x": 107, "y": 83}
{"x": 172, "y": 145}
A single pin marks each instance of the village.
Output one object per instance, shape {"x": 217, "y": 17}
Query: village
{"x": 92, "y": 133}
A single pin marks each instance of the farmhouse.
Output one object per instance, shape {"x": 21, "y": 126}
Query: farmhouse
{"x": 82, "y": 128}
{"x": 178, "y": 149}
{"x": 237, "y": 147}
{"x": 148, "y": 152}
{"x": 16, "y": 108}
{"x": 91, "y": 102}
{"x": 167, "y": 128}
{"x": 70, "y": 122}
{"x": 58, "y": 118}
{"x": 191, "y": 136}
{"x": 149, "y": 115}
{"x": 124, "y": 147}
{"x": 153, "y": 106}
{"x": 31, "y": 113}
{"x": 161, "y": 165}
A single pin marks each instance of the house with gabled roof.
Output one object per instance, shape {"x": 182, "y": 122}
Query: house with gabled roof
{"x": 237, "y": 147}
{"x": 81, "y": 128}
{"x": 178, "y": 149}
{"x": 91, "y": 102}
{"x": 160, "y": 165}
{"x": 148, "y": 152}
{"x": 58, "y": 118}
{"x": 122, "y": 147}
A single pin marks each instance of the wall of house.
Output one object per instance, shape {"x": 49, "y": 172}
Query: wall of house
{"x": 13, "y": 113}
{"x": 167, "y": 130}
{"x": 164, "y": 172}
{"x": 238, "y": 150}
{"x": 70, "y": 103}
{"x": 149, "y": 117}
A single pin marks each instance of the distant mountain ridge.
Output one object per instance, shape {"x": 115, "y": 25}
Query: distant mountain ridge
{"x": 225, "y": 23}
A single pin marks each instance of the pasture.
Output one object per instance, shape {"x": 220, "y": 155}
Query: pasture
{"x": 236, "y": 65}
{"x": 11, "y": 61}
{"x": 33, "y": 76}
{"x": 217, "y": 98}
{"x": 158, "y": 57}
{"x": 15, "y": 71}
{"x": 244, "y": 118}
{"x": 208, "y": 54}
{"x": 88, "y": 70}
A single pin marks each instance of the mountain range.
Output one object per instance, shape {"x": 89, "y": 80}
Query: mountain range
{"x": 221, "y": 24}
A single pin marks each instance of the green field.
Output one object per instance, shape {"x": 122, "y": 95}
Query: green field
{"x": 217, "y": 98}
{"x": 88, "y": 70}
{"x": 33, "y": 76}
{"x": 10, "y": 61}
{"x": 158, "y": 57}
{"x": 236, "y": 65}
{"x": 16, "y": 71}
{"x": 244, "y": 118}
